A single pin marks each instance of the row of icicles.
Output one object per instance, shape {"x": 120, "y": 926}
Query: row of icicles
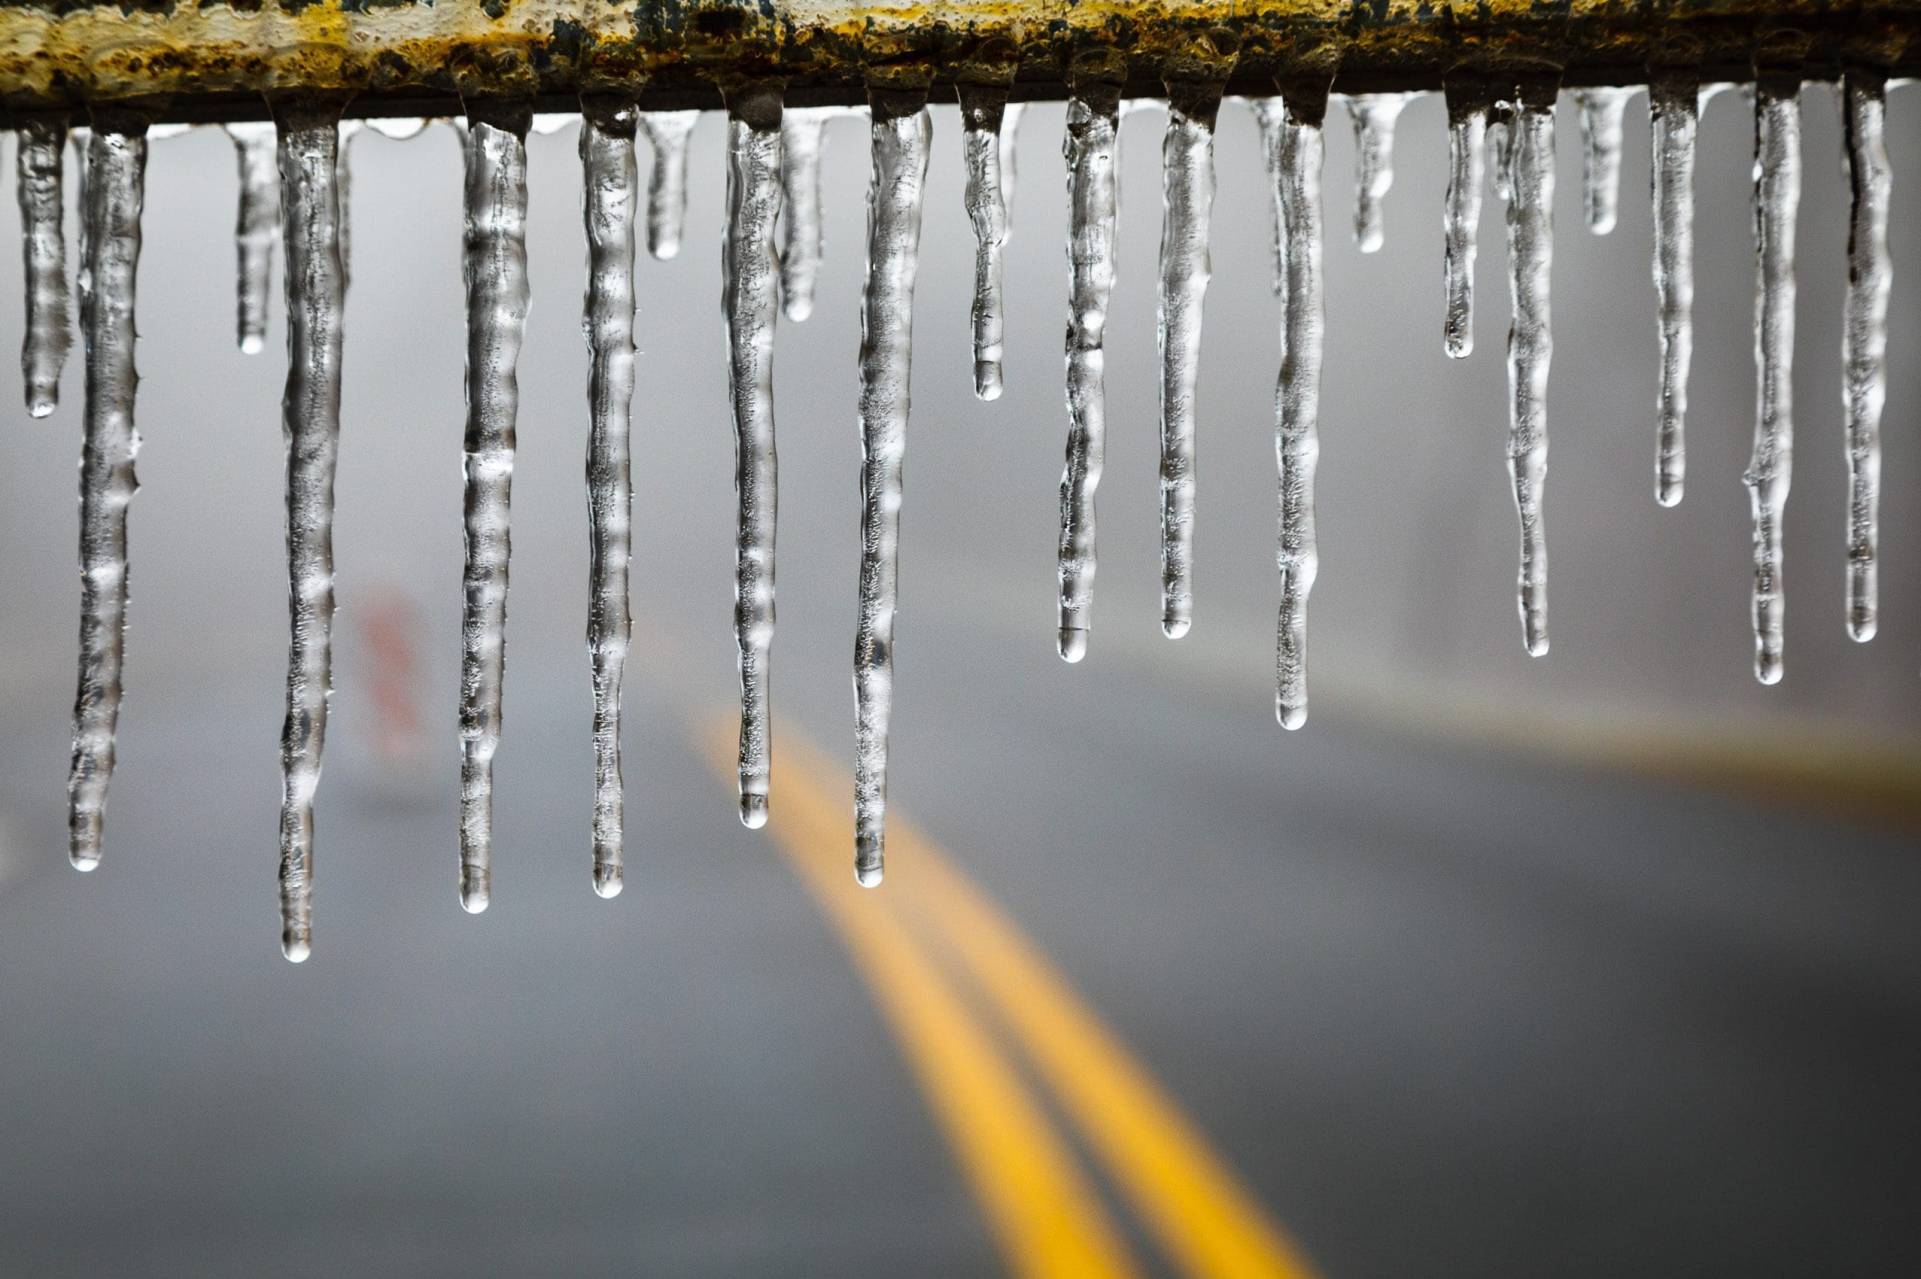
{"x": 773, "y": 187}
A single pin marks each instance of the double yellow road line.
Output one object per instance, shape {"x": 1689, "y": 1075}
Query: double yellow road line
{"x": 904, "y": 939}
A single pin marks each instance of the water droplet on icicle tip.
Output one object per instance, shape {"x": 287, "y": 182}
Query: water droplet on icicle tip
{"x": 1777, "y": 198}
{"x": 901, "y": 132}
{"x": 803, "y": 132}
{"x": 494, "y": 267}
{"x": 1270, "y": 116}
{"x": 1674, "y": 107}
{"x": 1530, "y": 349}
{"x": 115, "y": 190}
{"x": 308, "y": 159}
{"x": 612, "y": 188}
{"x": 983, "y": 116}
{"x": 398, "y": 128}
{"x": 49, "y": 328}
{"x": 1461, "y": 219}
{"x": 1374, "y": 116}
{"x": 256, "y": 227}
{"x": 750, "y": 280}
{"x": 1297, "y": 443}
{"x": 667, "y": 133}
{"x": 1602, "y": 111}
{"x": 1187, "y": 200}
{"x": 1093, "y": 120}
{"x": 1865, "y": 335}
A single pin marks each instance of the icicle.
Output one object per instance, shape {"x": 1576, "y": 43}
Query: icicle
{"x": 116, "y": 184}
{"x": 803, "y": 130}
{"x": 1010, "y": 159}
{"x": 1467, "y": 129}
{"x": 1297, "y": 444}
{"x": 983, "y": 113}
{"x": 1187, "y": 201}
{"x": 256, "y": 229}
{"x": 1374, "y": 116}
{"x": 1777, "y": 197}
{"x": 81, "y": 139}
{"x": 316, "y": 288}
{"x": 612, "y": 182}
{"x": 43, "y": 353}
{"x": 901, "y": 131}
{"x": 344, "y": 184}
{"x": 1270, "y": 115}
{"x": 750, "y": 281}
{"x": 1674, "y": 107}
{"x": 1602, "y": 111}
{"x": 494, "y": 265}
{"x": 667, "y": 133}
{"x": 1865, "y": 335}
{"x": 1530, "y": 348}
{"x": 1093, "y": 118}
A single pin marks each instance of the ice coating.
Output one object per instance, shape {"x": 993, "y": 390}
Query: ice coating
{"x": 116, "y": 185}
{"x": 900, "y": 144}
{"x": 984, "y": 118}
{"x": 1674, "y": 109}
{"x": 803, "y": 130}
{"x": 1460, "y": 223}
{"x": 1530, "y": 348}
{"x": 1864, "y": 338}
{"x": 1777, "y": 198}
{"x": 1297, "y": 442}
{"x": 1602, "y": 112}
{"x": 1374, "y": 116}
{"x": 750, "y": 280}
{"x": 612, "y": 183}
{"x": 1270, "y": 116}
{"x": 494, "y": 266}
{"x": 316, "y": 289}
{"x": 667, "y": 133}
{"x": 43, "y": 244}
{"x": 1089, "y": 147}
{"x": 1187, "y": 201}
{"x": 256, "y": 227}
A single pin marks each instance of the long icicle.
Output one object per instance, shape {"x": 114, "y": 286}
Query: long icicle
{"x": 1187, "y": 202}
{"x": 494, "y": 265}
{"x": 612, "y": 184}
{"x": 1270, "y": 116}
{"x": 1530, "y": 348}
{"x": 1865, "y": 334}
{"x": 43, "y": 352}
{"x": 983, "y": 115}
{"x": 116, "y": 185}
{"x": 316, "y": 287}
{"x": 1297, "y": 441}
{"x": 1602, "y": 113}
{"x": 1461, "y": 215}
{"x": 667, "y": 133}
{"x": 1777, "y": 198}
{"x": 1674, "y": 110}
{"x": 901, "y": 132}
{"x": 1093, "y": 121}
{"x": 750, "y": 281}
{"x": 803, "y": 132}
{"x": 256, "y": 227}
{"x": 1374, "y": 116}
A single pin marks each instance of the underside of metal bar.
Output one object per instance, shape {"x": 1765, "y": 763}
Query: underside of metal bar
{"x": 206, "y": 61}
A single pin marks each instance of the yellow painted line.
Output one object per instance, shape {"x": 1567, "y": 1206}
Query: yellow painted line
{"x": 1044, "y": 1214}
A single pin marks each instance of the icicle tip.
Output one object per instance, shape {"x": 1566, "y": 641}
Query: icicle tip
{"x": 1176, "y": 627}
{"x": 476, "y": 890}
{"x": 1073, "y": 644}
{"x": 1290, "y": 715}
{"x": 608, "y": 881}
{"x": 868, "y": 870}
{"x": 85, "y": 862}
{"x": 987, "y": 380}
{"x": 252, "y": 344}
{"x": 295, "y": 948}
{"x": 753, "y": 810}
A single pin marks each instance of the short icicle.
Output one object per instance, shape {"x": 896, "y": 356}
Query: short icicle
{"x": 750, "y": 282}
{"x": 43, "y": 353}
{"x": 983, "y": 111}
{"x": 1865, "y": 334}
{"x": 1093, "y": 119}
{"x": 1530, "y": 347}
{"x": 803, "y": 133}
{"x": 1461, "y": 214}
{"x": 494, "y": 265}
{"x": 1270, "y": 116}
{"x": 1674, "y": 110}
{"x": 611, "y": 180}
{"x": 316, "y": 287}
{"x": 256, "y": 227}
{"x": 1187, "y": 201}
{"x": 116, "y": 185}
{"x": 1602, "y": 113}
{"x": 1500, "y": 142}
{"x": 344, "y": 185}
{"x": 667, "y": 133}
{"x": 1010, "y": 157}
{"x": 1777, "y": 198}
{"x": 901, "y": 131}
{"x": 1297, "y": 442}
{"x": 1374, "y": 116}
